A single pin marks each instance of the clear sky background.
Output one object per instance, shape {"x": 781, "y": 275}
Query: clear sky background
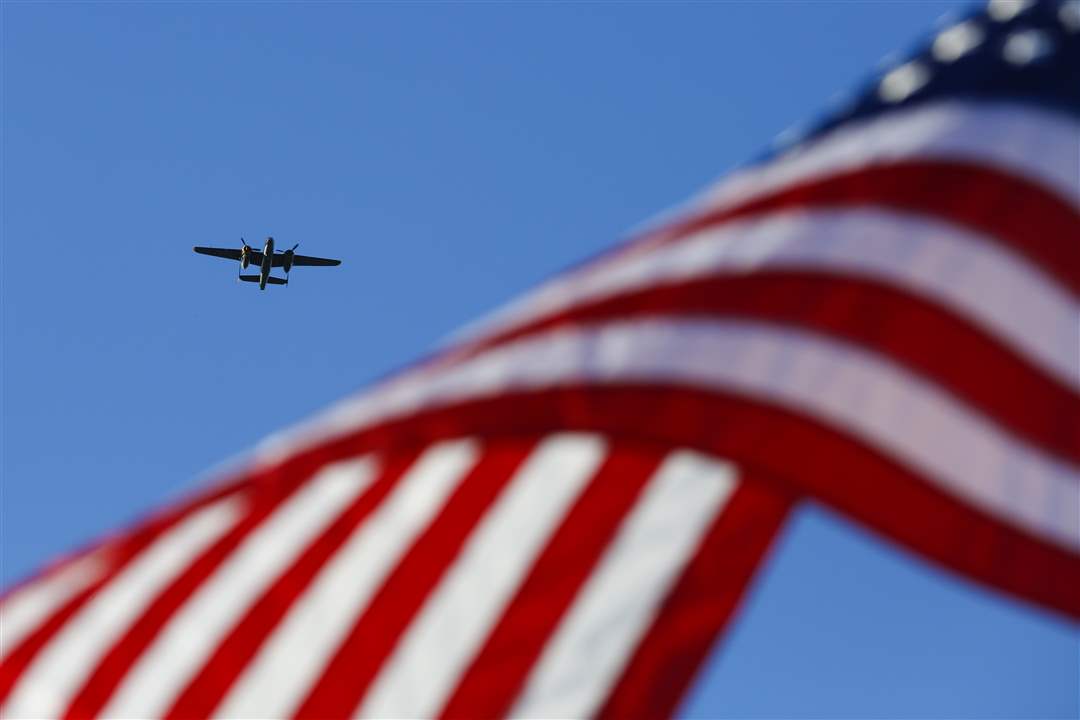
{"x": 453, "y": 155}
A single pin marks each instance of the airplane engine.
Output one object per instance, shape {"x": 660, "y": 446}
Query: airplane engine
{"x": 287, "y": 260}
{"x": 245, "y": 254}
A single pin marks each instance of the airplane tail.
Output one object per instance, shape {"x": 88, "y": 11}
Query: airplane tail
{"x": 270, "y": 280}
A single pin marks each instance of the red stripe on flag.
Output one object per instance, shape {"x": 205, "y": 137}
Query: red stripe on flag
{"x": 206, "y": 689}
{"x": 811, "y": 457}
{"x": 1015, "y": 212}
{"x": 16, "y": 661}
{"x": 155, "y": 521}
{"x": 268, "y": 491}
{"x": 903, "y": 327}
{"x": 495, "y": 675}
{"x": 127, "y": 547}
{"x": 377, "y": 630}
{"x": 700, "y": 604}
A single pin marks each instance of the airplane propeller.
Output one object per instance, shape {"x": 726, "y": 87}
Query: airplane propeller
{"x": 244, "y": 250}
{"x": 287, "y": 262}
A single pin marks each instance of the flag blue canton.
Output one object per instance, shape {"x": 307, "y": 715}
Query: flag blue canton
{"x": 1009, "y": 51}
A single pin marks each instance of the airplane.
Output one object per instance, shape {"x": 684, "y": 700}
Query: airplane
{"x": 265, "y": 260}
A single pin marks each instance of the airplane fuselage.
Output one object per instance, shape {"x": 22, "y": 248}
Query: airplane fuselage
{"x": 267, "y": 263}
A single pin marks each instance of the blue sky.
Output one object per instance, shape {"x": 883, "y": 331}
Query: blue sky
{"x": 453, "y": 155}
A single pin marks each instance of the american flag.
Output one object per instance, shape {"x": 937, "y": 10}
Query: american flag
{"x": 556, "y": 515}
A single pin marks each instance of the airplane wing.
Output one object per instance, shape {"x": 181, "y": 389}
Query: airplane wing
{"x": 255, "y": 256}
{"x": 308, "y": 260}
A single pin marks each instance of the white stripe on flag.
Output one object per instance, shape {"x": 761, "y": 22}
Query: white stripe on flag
{"x": 595, "y": 639}
{"x": 837, "y": 384}
{"x": 47, "y": 686}
{"x": 457, "y": 617}
{"x": 296, "y": 653}
{"x": 1016, "y": 139}
{"x": 26, "y": 609}
{"x": 983, "y": 282}
{"x": 193, "y": 633}
{"x": 1019, "y": 139}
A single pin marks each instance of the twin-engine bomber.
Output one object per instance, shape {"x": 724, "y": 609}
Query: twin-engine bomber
{"x": 266, "y": 260}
